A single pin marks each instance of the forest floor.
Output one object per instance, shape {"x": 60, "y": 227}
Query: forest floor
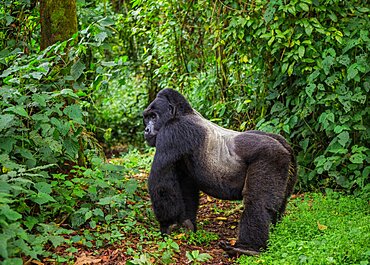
{"x": 317, "y": 229}
{"x": 214, "y": 216}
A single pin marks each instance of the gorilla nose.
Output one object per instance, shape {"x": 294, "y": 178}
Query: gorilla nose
{"x": 147, "y": 130}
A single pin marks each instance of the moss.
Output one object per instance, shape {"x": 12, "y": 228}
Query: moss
{"x": 58, "y": 21}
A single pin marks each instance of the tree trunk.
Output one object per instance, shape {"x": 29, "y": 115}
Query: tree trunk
{"x": 58, "y": 21}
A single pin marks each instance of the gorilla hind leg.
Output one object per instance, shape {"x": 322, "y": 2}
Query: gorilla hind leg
{"x": 253, "y": 231}
{"x": 264, "y": 195}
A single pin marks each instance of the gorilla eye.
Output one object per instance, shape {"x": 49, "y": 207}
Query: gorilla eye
{"x": 152, "y": 116}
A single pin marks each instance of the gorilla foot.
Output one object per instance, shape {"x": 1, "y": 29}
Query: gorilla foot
{"x": 189, "y": 226}
{"x": 172, "y": 228}
{"x": 237, "y": 250}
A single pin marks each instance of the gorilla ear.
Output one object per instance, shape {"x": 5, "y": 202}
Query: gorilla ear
{"x": 172, "y": 109}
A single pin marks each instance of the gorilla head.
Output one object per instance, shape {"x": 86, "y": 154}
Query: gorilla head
{"x": 168, "y": 105}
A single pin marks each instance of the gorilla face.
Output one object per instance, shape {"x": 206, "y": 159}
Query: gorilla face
{"x": 158, "y": 113}
{"x": 150, "y": 133}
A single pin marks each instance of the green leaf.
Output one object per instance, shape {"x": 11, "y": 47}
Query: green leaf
{"x": 40, "y": 99}
{"x": 71, "y": 147}
{"x": 56, "y": 240}
{"x": 88, "y": 215}
{"x": 327, "y": 63}
{"x": 291, "y": 68}
{"x": 284, "y": 67}
{"x": 36, "y": 75}
{"x": 333, "y": 17}
{"x": 301, "y": 51}
{"x": 4, "y": 246}
{"x": 304, "y": 7}
{"x": 271, "y": 41}
{"x": 352, "y": 71}
{"x": 77, "y": 69}
{"x": 18, "y": 110}
{"x": 105, "y": 200}
{"x": 6, "y": 121}
{"x": 7, "y": 144}
{"x": 269, "y": 14}
{"x": 98, "y": 212}
{"x": 310, "y": 89}
{"x": 357, "y": 158}
{"x": 330, "y": 117}
{"x": 25, "y": 153}
{"x": 74, "y": 112}
{"x": 30, "y": 222}
{"x": 343, "y": 138}
{"x": 42, "y": 198}
{"x": 344, "y": 59}
{"x": 43, "y": 187}
{"x": 53, "y": 144}
{"x": 107, "y": 21}
{"x": 131, "y": 186}
{"x": 312, "y": 77}
{"x": 63, "y": 128}
{"x": 13, "y": 261}
{"x": 339, "y": 128}
{"x": 308, "y": 28}
{"x": 109, "y": 64}
{"x": 304, "y": 144}
{"x": 100, "y": 37}
{"x": 92, "y": 224}
{"x": 68, "y": 92}
{"x": 9, "y": 213}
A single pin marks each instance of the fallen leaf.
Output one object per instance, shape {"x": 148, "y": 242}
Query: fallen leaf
{"x": 221, "y": 218}
{"x": 321, "y": 226}
{"x": 84, "y": 260}
{"x": 179, "y": 236}
{"x": 37, "y": 262}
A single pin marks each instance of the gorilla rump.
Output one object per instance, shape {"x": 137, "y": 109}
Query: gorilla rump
{"x": 194, "y": 154}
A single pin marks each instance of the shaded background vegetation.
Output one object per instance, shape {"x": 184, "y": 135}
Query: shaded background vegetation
{"x": 299, "y": 68}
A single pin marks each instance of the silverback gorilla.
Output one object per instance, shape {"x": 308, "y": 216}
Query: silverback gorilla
{"x": 194, "y": 154}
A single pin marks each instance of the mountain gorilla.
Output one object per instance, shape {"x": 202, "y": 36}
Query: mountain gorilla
{"x": 194, "y": 154}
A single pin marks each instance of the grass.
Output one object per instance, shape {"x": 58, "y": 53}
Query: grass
{"x": 332, "y": 229}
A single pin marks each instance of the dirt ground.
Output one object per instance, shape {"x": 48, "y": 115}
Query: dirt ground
{"x": 219, "y": 217}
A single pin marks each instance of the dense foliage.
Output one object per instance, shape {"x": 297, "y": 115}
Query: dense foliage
{"x": 299, "y": 68}
{"x": 53, "y": 175}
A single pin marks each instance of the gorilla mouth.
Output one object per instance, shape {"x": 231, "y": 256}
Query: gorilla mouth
{"x": 150, "y": 139}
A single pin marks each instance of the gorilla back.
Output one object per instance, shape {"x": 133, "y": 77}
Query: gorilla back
{"x": 194, "y": 154}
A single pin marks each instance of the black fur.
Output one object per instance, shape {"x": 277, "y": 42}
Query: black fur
{"x": 193, "y": 154}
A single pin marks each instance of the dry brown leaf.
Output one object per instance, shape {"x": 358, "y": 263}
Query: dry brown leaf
{"x": 85, "y": 260}
{"x": 178, "y": 236}
{"x": 37, "y": 262}
{"x": 321, "y": 226}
